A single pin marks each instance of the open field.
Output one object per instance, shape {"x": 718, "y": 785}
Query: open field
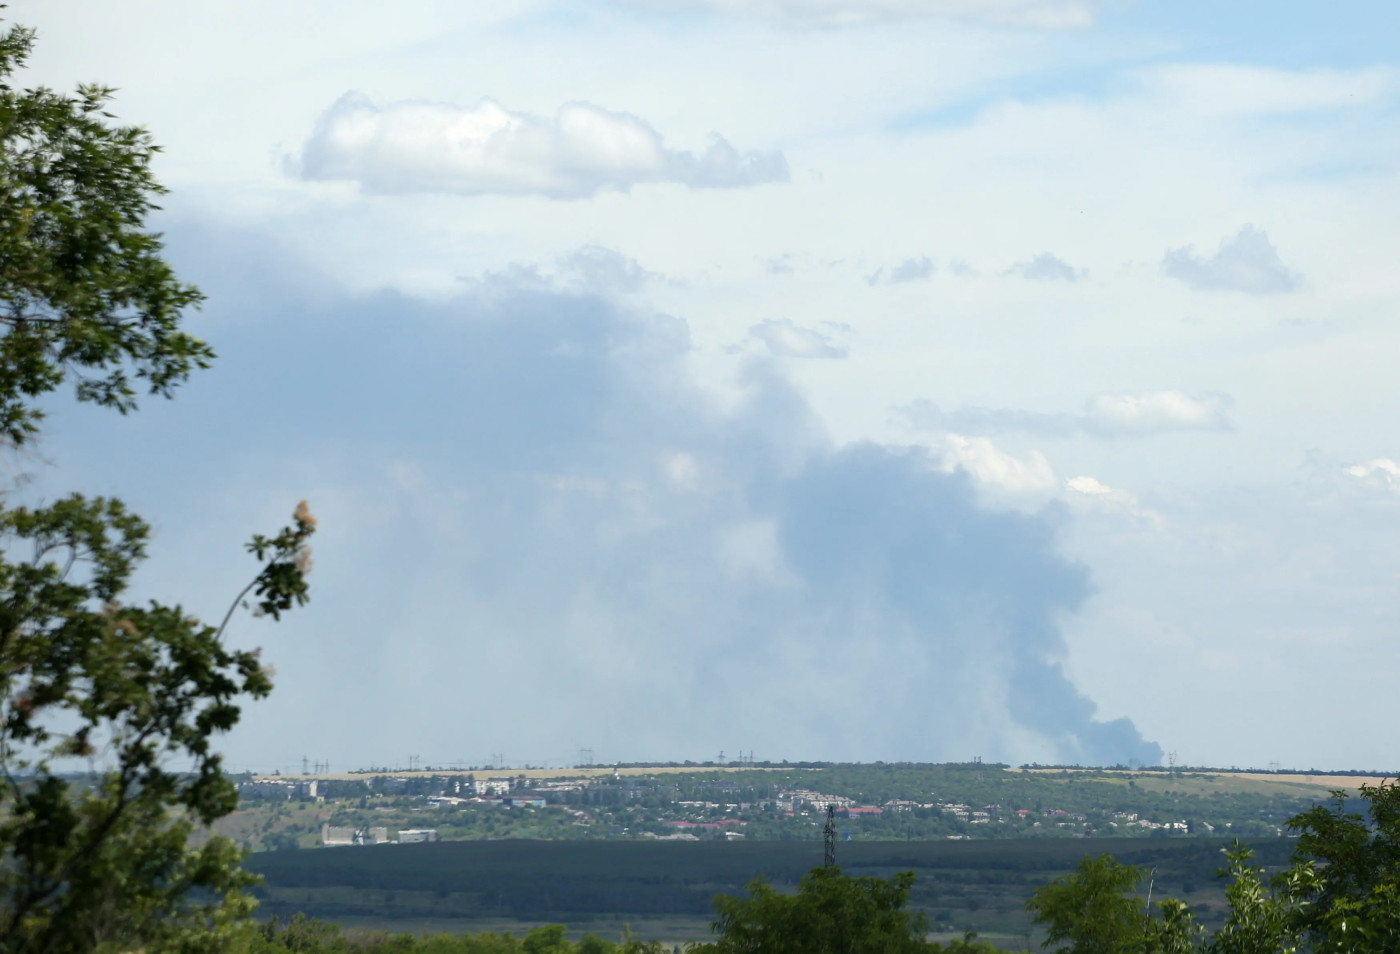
{"x": 1223, "y": 782}
{"x": 1348, "y": 782}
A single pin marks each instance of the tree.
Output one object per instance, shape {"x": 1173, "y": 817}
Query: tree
{"x": 140, "y": 690}
{"x": 831, "y": 913}
{"x": 1347, "y": 872}
{"x": 1091, "y": 908}
{"x": 1341, "y": 893}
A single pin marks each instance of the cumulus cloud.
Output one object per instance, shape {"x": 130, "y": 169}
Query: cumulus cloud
{"x": 487, "y": 149}
{"x": 787, "y": 340}
{"x": 1247, "y": 262}
{"x": 1104, "y": 415}
{"x": 1035, "y": 14}
{"x": 1047, "y": 268}
{"x": 587, "y": 529}
{"x": 605, "y": 271}
{"x": 989, "y": 465}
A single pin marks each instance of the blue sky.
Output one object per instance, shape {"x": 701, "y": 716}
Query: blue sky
{"x": 911, "y": 379}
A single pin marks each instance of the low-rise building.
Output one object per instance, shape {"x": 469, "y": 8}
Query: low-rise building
{"x": 334, "y": 836}
{"x": 496, "y": 785}
{"x": 411, "y": 836}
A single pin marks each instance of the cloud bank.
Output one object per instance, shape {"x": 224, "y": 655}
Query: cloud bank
{"x": 1104, "y": 415}
{"x": 487, "y": 149}
{"x": 1248, "y": 262}
{"x": 545, "y": 517}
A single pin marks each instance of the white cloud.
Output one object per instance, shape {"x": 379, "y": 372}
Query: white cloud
{"x": 1032, "y": 479}
{"x": 1089, "y": 490}
{"x": 1039, "y": 14}
{"x": 990, "y": 465}
{"x": 1156, "y": 411}
{"x": 1248, "y": 262}
{"x": 787, "y": 340}
{"x": 1382, "y": 473}
{"x": 487, "y": 149}
{"x": 1047, "y": 268}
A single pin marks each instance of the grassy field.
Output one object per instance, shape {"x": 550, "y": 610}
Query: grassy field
{"x": 1218, "y": 783}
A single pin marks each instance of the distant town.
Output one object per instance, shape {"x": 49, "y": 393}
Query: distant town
{"x": 692, "y": 803}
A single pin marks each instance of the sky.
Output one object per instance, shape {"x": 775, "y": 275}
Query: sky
{"x": 905, "y": 380}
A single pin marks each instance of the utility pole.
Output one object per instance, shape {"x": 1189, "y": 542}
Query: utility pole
{"x": 829, "y": 837}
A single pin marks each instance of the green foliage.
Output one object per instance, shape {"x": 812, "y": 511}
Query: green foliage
{"x": 304, "y": 935}
{"x": 85, "y": 296}
{"x": 1351, "y": 903}
{"x": 1341, "y": 893}
{"x": 1091, "y": 908}
{"x": 1260, "y": 920}
{"x": 830, "y": 912}
{"x": 132, "y": 687}
{"x": 85, "y": 293}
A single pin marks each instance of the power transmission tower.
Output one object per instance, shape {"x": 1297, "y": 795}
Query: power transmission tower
{"x": 304, "y": 765}
{"x": 829, "y": 837}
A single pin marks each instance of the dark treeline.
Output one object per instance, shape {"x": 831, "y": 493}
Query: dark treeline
{"x": 960, "y": 884}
